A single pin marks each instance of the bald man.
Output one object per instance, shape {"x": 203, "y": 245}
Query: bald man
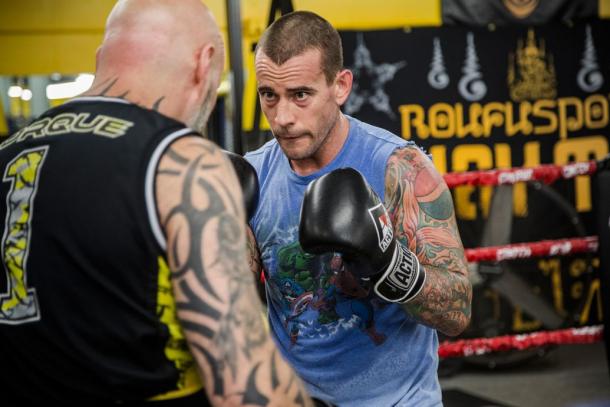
{"x": 123, "y": 243}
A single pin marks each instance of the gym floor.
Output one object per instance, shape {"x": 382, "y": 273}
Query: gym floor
{"x": 567, "y": 376}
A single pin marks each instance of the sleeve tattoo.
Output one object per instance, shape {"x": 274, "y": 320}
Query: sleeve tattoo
{"x": 199, "y": 204}
{"x": 421, "y": 208}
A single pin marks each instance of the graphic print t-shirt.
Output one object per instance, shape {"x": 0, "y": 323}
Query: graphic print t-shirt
{"x": 351, "y": 348}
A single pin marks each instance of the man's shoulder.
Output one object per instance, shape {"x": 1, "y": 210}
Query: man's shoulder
{"x": 377, "y": 133}
{"x": 264, "y": 153}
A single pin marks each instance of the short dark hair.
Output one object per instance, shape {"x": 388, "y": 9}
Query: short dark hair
{"x": 299, "y": 31}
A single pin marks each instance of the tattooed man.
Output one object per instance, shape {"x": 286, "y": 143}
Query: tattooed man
{"x": 124, "y": 244}
{"x": 355, "y": 232}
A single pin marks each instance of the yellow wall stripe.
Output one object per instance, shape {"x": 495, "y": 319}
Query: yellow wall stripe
{"x": 3, "y": 122}
{"x": 367, "y": 14}
{"x": 46, "y": 36}
{"x": 27, "y": 54}
{"x": 604, "y": 8}
{"x": 27, "y": 15}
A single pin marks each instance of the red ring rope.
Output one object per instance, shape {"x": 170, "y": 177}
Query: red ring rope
{"x": 547, "y": 173}
{"x": 559, "y": 247}
{"x": 481, "y": 346}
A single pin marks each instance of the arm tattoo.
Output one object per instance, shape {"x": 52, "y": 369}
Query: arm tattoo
{"x": 107, "y": 88}
{"x": 421, "y": 208}
{"x": 219, "y": 310}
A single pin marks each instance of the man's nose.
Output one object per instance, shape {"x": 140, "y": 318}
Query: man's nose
{"x": 284, "y": 116}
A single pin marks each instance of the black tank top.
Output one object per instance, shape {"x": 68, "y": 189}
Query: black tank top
{"x": 86, "y": 307}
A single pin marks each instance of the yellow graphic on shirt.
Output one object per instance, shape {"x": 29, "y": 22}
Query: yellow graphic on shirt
{"x": 176, "y": 349}
{"x": 19, "y": 304}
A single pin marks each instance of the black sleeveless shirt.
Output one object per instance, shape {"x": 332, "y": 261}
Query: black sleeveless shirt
{"x": 86, "y": 307}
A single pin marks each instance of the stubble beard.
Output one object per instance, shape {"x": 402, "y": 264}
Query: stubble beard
{"x": 317, "y": 143}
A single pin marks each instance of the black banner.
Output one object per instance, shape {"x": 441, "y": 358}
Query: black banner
{"x": 477, "y": 99}
{"x": 510, "y": 12}
{"x": 511, "y": 97}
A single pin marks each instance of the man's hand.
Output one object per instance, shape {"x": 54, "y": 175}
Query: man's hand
{"x": 248, "y": 180}
{"x": 341, "y": 213}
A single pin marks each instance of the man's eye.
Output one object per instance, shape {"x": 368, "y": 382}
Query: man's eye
{"x": 301, "y": 95}
{"x": 267, "y": 95}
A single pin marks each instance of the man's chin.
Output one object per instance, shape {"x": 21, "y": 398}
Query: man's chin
{"x": 293, "y": 155}
{"x": 294, "y": 152}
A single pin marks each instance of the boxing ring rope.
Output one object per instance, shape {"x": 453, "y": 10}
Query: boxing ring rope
{"x": 547, "y": 174}
{"x": 558, "y": 247}
{"x": 482, "y": 346}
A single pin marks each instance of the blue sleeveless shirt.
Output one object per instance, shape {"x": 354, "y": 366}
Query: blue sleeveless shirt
{"x": 349, "y": 347}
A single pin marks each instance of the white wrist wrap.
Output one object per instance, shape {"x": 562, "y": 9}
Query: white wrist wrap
{"x": 403, "y": 279}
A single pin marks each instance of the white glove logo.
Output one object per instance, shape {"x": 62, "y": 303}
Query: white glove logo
{"x": 383, "y": 226}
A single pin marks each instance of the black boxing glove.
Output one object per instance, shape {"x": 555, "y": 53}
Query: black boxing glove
{"x": 247, "y": 179}
{"x": 341, "y": 213}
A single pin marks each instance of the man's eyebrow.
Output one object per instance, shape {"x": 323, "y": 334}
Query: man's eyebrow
{"x": 301, "y": 89}
{"x": 265, "y": 89}
{"x": 297, "y": 89}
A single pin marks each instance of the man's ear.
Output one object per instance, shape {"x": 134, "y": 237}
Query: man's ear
{"x": 204, "y": 63}
{"x": 343, "y": 85}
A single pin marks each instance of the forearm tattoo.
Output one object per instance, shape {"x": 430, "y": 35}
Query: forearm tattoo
{"x": 421, "y": 209}
{"x": 218, "y": 307}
